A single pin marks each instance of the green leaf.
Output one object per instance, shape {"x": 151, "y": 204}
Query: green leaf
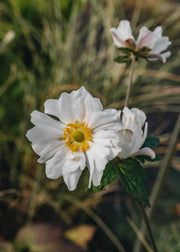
{"x": 132, "y": 174}
{"x": 123, "y": 59}
{"x": 126, "y": 50}
{"x": 151, "y": 142}
{"x": 109, "y": 175}
{"x": 142, "y": 53}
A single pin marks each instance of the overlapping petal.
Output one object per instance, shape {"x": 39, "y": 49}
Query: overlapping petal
{"x": 71, "y": 179}
{"x": 97, "y": 159}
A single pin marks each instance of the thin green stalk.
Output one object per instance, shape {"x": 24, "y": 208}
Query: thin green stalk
{"x": 130, "y": 81}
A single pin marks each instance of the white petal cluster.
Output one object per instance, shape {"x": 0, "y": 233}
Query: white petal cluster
{"x": 91, "y": 142}
{"x": 132, "y": 136}
{"x": 154, "y": 41}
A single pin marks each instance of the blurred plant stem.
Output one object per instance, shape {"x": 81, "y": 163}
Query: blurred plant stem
{"x": 130, "y": 81}
{"x": 139, "y": 234}
{"x": 161, "y": 177}
{"x": 148, "y": 227}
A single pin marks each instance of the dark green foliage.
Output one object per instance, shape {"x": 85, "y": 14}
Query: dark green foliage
{"x": 126, "y": 50}
{"x": 127, "y": 53}
{"x": 131, "y": 174}
{"x": 123, "y": 59}
{"x": 151, "y": 142}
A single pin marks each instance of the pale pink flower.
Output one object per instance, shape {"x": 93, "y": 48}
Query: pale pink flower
{"x": 151, "y": 44}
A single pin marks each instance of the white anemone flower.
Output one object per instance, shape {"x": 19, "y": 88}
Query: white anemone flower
{"x": 132, "y": 136}
{"x": 153, "y": 42}
{"x": 82, "y": 136}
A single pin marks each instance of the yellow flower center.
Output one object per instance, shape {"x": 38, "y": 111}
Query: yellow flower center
{"x": 77, "y": 135}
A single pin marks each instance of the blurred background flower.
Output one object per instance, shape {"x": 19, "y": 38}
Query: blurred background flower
{"x": 58, "y": 46}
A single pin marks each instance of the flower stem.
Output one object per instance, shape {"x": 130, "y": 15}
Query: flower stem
{"x": 130, "y": 81}
{"x": 151, "y": 238}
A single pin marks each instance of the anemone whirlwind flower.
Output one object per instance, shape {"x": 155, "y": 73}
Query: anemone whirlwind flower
{"x": 132, "y": 136}
{"x": 149, "y": 44}
{"x": 81, "y": 136}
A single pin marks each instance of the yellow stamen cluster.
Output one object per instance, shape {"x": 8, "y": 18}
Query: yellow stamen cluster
{"x": 77, "y": 135}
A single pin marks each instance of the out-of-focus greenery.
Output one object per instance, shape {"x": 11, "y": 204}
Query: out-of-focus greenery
{"x": 60, "y": 45}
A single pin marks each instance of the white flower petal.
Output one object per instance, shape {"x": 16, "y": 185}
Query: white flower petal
{"x": 117, "y": 39}
{"x": 65, "y": 104}
{"x": 47, "y": 149}
{"x": 145, "y": 151}
{"x": 62, "y": 108}
{"x": 54, "y": 166}
{"x": 100, "y": 161}
{"x": 81, "y": 92}
{"x": 132, "y": 136}
{"x": 74, "y": 161}
{"x": 146, "y": 38}
{"x": 38, "y": 118}
{"x": 154, "y": 57}
{"x": 141, "y": 116}
{"x": 160, "y": 45}
{"x": 139, "y": 138}
{"x": 126, "y": 143}
{"x": 109, "y": 139}
{"x": 96, "y": 177}
{"x": 154, "y": 41}
{"x": 105, "y": 138}
{"x": 122, "y": 33}
{"x": 71, "y": 179}
{"x": 128, "y": 119}
{"x": 42, "y": 133}
{"x": 84, "y": 107}
{"x": 162, "y": 56}
{"x": 79, "y": 109}
{"x": 104, "y": 119}
{"x": 158, "y": 32}
{"x": 92, "y": 105}
{"x": 97, "y": 159}
{"x": 51, "y": 107}
{"x": 166, "y": 54}
{"x": 124, "y": 30}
